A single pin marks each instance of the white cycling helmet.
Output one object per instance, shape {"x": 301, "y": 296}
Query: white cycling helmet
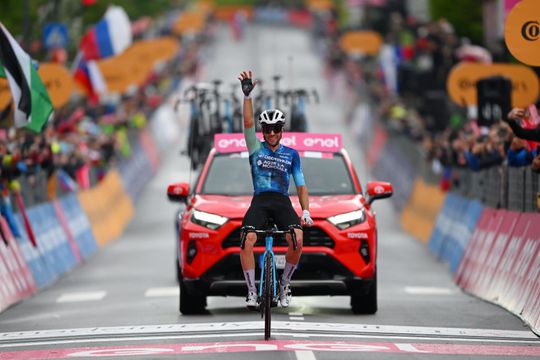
{"x": 272, "y": 116}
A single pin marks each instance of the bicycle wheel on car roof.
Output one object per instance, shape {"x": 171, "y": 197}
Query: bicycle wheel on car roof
{"x": 268, "y": 293}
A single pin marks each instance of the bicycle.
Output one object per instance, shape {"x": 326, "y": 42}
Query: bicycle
{"x": 267, "y": 284}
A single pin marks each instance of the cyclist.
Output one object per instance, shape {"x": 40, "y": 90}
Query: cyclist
{"x": 272, "y": 165}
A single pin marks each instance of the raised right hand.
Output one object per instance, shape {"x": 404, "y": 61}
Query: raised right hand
{"x": 247, "y": 84}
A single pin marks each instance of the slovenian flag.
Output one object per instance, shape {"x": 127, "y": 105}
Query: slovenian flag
{"x": 33, "y": 106}
{"x": 109, "y": 37}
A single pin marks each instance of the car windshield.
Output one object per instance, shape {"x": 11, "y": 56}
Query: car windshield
{"x": 229, "y": 174}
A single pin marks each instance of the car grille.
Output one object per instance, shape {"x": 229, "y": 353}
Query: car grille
{"x": 313, "y": 236}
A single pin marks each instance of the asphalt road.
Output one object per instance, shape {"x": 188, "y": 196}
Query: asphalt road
{"x": 123, "y": 301}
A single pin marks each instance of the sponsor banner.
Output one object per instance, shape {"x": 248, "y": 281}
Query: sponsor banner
{"x": 78, "y": 225}
{"x": 51, "y": 238}
{"x": 522, "y": 32}
{"x": 455, "y": 228}
{"x": 466, "y": 227}
{"x": 461, "y": 82}
{"x": 294, "y": 347}
{"x": 36, "y": 258}
{"x": 150, "y": 149}
{"x": 498, "y": 235}
{"x": 16, "y": 282}
{"x": 508, "y": 258}
{"x": 447, "y": 226}
{"x": 419, "y": 215}
{"x": 514, "y": 284}
{"x": 476, "y": 253}
{"x": 439, "y": 230}
{"x": 108, "y": 208}
{"x": 361, "y": 42}
{"x": 528, "y": 302}
{"x": 226, "y": 143}
{"x": 300, "y": 18}
{"x": 273, "y": 15}
{"x": 136, "y": 172}
{"x": 63, "y": 222}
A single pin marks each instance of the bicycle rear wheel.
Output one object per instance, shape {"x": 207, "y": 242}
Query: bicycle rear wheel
{"x": 268, "y": 294}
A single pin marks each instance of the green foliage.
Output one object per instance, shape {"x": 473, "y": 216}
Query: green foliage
{"x": 464, "y": 15}
{"x": 134, "y": 8}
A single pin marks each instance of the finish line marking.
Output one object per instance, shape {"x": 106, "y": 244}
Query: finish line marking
{"x": 302, "y": 349}
{"x": 294, "y": 327}
{"x": 255, "y": 335}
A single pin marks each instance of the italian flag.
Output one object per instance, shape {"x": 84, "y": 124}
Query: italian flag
{"x": 33, "y": 107}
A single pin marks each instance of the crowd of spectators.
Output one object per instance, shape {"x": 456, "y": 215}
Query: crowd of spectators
{"x": 414, "y": 101}
{"x": 85, "y": 140}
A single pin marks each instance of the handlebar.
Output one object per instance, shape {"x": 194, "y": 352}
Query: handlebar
{"x": 267, "y": 232}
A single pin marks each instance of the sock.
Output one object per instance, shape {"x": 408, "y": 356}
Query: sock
{"x": 287, "y": 273}
{"x": 250, "y": 280}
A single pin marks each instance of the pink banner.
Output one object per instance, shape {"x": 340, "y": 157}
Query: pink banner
{"x": 226, "y": 143}
{"x": 476, "y": 252}
{"x": 508, "y": 221}
{"x": 16, "y": 281}
{"x": 517, "y": 278}
{"x": 508, "y": 257}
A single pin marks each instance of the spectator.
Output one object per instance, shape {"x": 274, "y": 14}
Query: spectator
{"x": 513, "y": 119}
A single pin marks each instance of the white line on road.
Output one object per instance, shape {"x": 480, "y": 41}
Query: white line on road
{"x": 296, "y": 327}
{"x": 296, "y": 318}
{"x": 428, "y": 290}
{"x": 81, "y": 296}
{"x": 257, "y": 335}
{"x": 162, "y": 291}
{"x": 296, "y": 314}
{"x": 305, "y": 355}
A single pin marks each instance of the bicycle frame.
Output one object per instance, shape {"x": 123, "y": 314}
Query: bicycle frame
{"x": 269, "y": 240}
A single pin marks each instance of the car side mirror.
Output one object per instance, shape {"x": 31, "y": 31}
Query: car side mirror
{"x": 379, "y": 190}
{"x": 178, "y": 192}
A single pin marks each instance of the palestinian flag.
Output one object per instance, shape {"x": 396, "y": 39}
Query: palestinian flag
{"x": 33, "y": 107}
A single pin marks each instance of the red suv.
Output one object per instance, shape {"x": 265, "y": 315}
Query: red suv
{"x": 339, "y": 251}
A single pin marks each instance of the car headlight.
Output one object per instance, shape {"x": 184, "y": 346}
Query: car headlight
{"x": 344, "y": 221}
{"x": 210, "y": 221}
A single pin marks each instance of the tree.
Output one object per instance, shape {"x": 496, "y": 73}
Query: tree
{"x": 464, "y": 15}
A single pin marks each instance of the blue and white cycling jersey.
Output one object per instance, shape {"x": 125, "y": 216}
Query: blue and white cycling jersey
{"x": 271, "y": 171}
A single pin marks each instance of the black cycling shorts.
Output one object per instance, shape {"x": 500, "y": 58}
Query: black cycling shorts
{"x": 271, "y": 205}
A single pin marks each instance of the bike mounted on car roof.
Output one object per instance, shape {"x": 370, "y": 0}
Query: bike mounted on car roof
{"x": 213, "y": 112}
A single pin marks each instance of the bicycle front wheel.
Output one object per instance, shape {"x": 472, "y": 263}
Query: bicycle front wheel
{"x": 268, "y": 293}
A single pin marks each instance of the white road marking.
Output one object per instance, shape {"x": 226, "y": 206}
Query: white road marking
{"x": 427, "y": 290}
{"x": 81, "y": 296}
{"x": 257, "y": 335}
{"x": 337, "y": 329}
{"x": 162, "y": 291}
{"x": 305, "y": 355}
{"x": 296, "y": 318}
{"x": 296, "y": 314}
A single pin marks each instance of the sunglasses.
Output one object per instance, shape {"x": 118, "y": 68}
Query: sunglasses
{"x": 268, "y": 128}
